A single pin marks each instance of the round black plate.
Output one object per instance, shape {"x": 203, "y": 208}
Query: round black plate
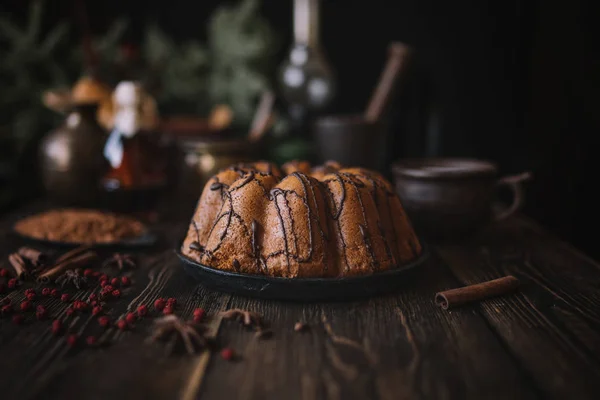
{"x": 147, "y": 239}
{"x": 301, "y": 289}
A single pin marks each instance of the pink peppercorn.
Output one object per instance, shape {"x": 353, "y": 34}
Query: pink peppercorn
{"x": 96, "y": 310}
{"x": 70, "y": 311}
{"x": 227, "y": 354}
{"x": 172, "y": 302}
{"x": 168, "y": 310}
{"x": 88, "y": 272}
{"x": 54, "y": 293}
{"x": 125, "y": 281}
{"x": 198, "y": 314}
{"x": 114, "y": 282}
{"x": 12, "y": 283}
{"x": 46, "y": 291}
{"x": 116, "y": 293}
{"x": 72, "y": 340}
{"x": 130, "y": 318}
{"x": 41, "y": 312}
{"x": 3, "y": 272}
{"x": 91, "y": 340}
{"x": 104, "y": 321}
{"x": 26, "y": 305}
{"x": 142, "y": 310}
{"x": 159, "y": 304}
{"x": 122, "y": 325}
{"x": 56, "y": 327}
{"x": 65, "y": 297}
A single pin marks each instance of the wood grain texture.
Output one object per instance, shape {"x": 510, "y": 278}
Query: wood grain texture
{"x": 391, "y": 347}
{"x": 540, "y": 343}
{"x": 552, "y": 325}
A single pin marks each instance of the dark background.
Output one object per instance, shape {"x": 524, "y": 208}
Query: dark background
{"x": 511, "y": 81}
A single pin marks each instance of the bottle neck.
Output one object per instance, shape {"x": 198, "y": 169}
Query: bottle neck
{"x": 306, "y": 23}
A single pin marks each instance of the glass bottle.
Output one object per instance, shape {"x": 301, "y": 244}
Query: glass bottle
{"x": 306, "y": 80}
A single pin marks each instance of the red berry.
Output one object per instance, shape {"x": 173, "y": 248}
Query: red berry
{"x": 168, "y": 310}
{"x": 88, "y": 272}
{"x": 227, "y": 354}
{"x": 114, "y": 282}
{"x": 103, "y": 278}
{"x": 125, "y": 281}
{"x": 159, "y": 304}
{"x": 199, "y": 312}
{"x": 130, "y": 318}
{"x": 2, "y": 288}
{"x": 96, "y": 274}
{"x": 116, "y": 293}
{"x": 27, "y": 291}
{"x": 41, "y": 312}
{"x": 46, "y": 291}
{"x": 56, "y": 326}
{"x": 104, "y": 321}
{"x": 70, "y": 311}
{"x": 122, "y": 324}
{"x": 40, "y": 308}
{"x": 91, "y": 340}
{"x": 72, "y": 340}
{"x": 108, "y": 288}
{"x": 3, "y": 272}
{"x": 103, "y": 283}
{"x": 92, "y": 297}
{"x": 18, "y": 319}
{"x": 96, "y": 310}
{"x": 142, "y": 310}
{"x": 26, "y": 305}
{"x": 172, "y": 302}
{"x": 65, "y": 297}
{"x": 12, "y": 283}
{"x": 30, "y": 296}
{"x": 5, "y": 310}
{"x": 54, "y": 293}
{"x": 94, "y": 303}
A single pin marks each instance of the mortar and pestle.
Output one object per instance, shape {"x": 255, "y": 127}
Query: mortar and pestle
{"x": 359, "y": 140}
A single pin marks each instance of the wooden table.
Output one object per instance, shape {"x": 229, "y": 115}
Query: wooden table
{"x": 543, "y": 342}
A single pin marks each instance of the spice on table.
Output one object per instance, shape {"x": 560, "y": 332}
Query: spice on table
{"x": 142, "y": 310}
{"x": 198, "y": 315}
{"x": 72, "y": 340}
{"x": 121, "y": 261}
{"x": 300, "y": 326}
{"x": 18, "y": 264}
{"x": 159, "y": 304}
{"x": 191, "y": 334}
{"x": 80, "y": 226}
{"x": 249, "y": 319}
{"x": 3, "y": 272}
{"x": 104, "y": 321}
{"x": 12, "y": 283}
{"x": 35, "y": 257}
{"x": 67, "y": 264}
{"x": 227, "y": 354}
{"x": 480, "y": 291}
{"x": 56, "y": 327}
{"x": 73, "y": 277}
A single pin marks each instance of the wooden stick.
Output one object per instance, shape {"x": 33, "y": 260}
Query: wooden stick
{"x": 71, "y": 263}
{"x": 72, "y": 253}
{"x": 480, "y": 291}
{"x": 34, "y": 256}
{"x": 262, "y": 117}
{"x": 387, "y": 82}
{"x": 19, "y": 266}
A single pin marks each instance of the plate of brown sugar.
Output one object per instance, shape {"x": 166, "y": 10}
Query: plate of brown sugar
{"x": 75, "y": 227}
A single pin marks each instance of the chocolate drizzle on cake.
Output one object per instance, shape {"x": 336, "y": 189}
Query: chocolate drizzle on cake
{"x": 216, "y": 186}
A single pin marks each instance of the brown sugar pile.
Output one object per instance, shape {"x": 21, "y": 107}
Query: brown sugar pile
{"x": 80, "y": 226}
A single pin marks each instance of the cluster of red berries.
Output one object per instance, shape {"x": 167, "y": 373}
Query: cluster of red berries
{"x": 166, "y": 306}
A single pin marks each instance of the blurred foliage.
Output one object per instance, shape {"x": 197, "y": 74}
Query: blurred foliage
{"x": 231, "y": 68}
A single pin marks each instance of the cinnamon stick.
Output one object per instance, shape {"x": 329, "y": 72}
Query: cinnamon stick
{"x": 480, "y": 291}
{"x": 18, "y": 264}
{"x": 72, "y": 253}
{"x": 35, "y": 257}
{"x": 262, "y": 117}
{"x": 70, "y": 263}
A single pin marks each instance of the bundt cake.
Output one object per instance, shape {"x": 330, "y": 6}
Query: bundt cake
{"x": 300, "y": 221}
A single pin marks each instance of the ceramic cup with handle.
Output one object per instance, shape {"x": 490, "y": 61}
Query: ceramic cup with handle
{"x": 448, "y": 198}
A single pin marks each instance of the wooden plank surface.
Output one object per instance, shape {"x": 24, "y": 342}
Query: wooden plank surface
{"x": 553, "y": 325}
{"x": 391, "y": 347}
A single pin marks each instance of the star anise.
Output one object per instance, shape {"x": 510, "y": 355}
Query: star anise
{"x": 249, "y": 319}
{"x": 190, "y": 333}
{"x": 72, "y": 276}
{"x": 120, "y": 260}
